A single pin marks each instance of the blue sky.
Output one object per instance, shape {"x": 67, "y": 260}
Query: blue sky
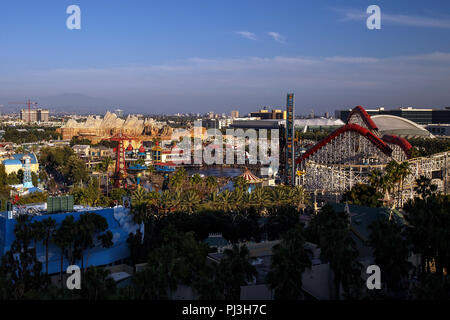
{"x": 202, "y": 55}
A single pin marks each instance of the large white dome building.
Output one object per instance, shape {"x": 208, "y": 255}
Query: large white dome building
{"x": 393, "y": 125}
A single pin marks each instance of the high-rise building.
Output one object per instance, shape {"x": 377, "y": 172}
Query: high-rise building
{"x": 235, "y": 114}
{"x": 290, "y": 135}
{"x": 266, "y": 114}
{"x": 28, "y": 115}
{"x": 420, "y": 116}
{"x": 35, "y": 115}
{"x": 42, "y": 115}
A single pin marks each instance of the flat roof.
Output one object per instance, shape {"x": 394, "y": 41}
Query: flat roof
{"x": 119, "y": 276}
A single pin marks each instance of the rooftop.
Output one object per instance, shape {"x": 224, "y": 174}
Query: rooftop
{"x": 388, "y": 124}
{"x": 363, "y": 217}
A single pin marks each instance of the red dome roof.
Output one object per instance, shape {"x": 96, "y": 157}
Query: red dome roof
{"x": 142, "y": 149}
{"x": 130, "y": 147}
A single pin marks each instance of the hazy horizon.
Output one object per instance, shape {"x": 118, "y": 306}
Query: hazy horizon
{"x": 178, "y": 57}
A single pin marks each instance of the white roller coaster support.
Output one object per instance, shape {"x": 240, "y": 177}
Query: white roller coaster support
{"x": 332, "y": 179}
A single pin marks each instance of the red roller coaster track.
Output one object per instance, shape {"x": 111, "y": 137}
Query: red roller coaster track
{"x": 403, "y": 143}
{"x": 365, "y": 116}
{"x": 380, "y": 144}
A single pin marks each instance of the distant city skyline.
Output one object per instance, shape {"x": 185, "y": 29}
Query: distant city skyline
{"x": 155, "y": 57}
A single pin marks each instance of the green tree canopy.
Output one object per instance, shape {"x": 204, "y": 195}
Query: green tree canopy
{"x": 290, "y": 259}
{"x": 363, "y": 195}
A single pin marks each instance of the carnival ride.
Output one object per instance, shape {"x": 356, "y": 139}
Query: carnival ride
{"x": 348, "y": 155}
{"x": 137, "y": 170}
{"x": 120, "y": 172}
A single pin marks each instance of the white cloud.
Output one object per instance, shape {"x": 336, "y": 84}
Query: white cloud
{"x": 196, "y": 83}
{"x": 352, "y": 59}
{"x": 247, "y": 34}
{"x": 276, "y": 36}
{"x": 400, "y": 19}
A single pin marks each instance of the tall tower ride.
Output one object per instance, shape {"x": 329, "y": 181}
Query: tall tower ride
{"x": 290, "y": 135}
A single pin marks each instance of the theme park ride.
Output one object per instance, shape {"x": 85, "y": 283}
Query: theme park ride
{"x": 348, "y": 155}
{"x": 120, "y": 172}
{"x": 136, "y": 168}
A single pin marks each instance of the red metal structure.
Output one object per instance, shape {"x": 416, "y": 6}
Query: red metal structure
{"x": 120, "y": 171}
{"x": 350, "y": 127}
{"x": 364, "y": 116}
{"x": 399, "y": 141}
{"x": 28, "y": 103}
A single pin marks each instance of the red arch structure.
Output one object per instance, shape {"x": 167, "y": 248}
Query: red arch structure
{"x": 380, "y": 144}
{"x": 402, "y": 142}
{"x": 364, "y": 115}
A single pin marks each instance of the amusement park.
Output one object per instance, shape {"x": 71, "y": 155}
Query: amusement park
{"x": 193, "y": 154}
{"x": 363, "y": 170}
{"x": 350, "y": 154}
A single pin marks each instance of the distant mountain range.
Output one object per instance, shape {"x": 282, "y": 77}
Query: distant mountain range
{"x": 74, "y": 102}
{"x": 66, "y": 102}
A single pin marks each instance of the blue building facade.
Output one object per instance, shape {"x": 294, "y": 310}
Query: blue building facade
{"x": 120, "y": 223}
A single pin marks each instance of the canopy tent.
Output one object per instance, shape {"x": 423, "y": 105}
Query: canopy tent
{"x": 250, "y": 177}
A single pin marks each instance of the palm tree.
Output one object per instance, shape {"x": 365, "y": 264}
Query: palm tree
{"x": 235, "y": 270}
{"x": 298, "y": 197}
{"x": 239, "y": 198}
{"x": 138, "y": 196}
{"x": 106, "y": 163}
{"x": 280, "y": 196}
{"x": 212, "y": 200}
{"x": 376, "y": 179}
{"x": 178, "y": 179}
{"x": 396, "y": 173}
{"x": 424, "y": 188}
{"x": 45, "y": 231}
{"x": 139, "y": 208}
{"x": 167, "y": 263}
{"x": 226, "y": 201}
{"x": 391, "y": 251}
{"x": 239, "y": 182}
{"x": 392, "y": 176}
{"x": 207, "y": 285}
{"x": 382, "y": 183}
{"x": 97, "y": 285}
{"x": 337, "y": 248}
{"x": 259, "y": 199}
{"x": 165, "y": 203}
{"x": 63, "y": 238}
{"x": 290, "y": 259}
{"x": 190, "y": 201}
{"x": 148, "y": 284}
{"x": 196, "y": 180}
{"x": 211, "y": 183}
{"x": 90, "y": 226}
